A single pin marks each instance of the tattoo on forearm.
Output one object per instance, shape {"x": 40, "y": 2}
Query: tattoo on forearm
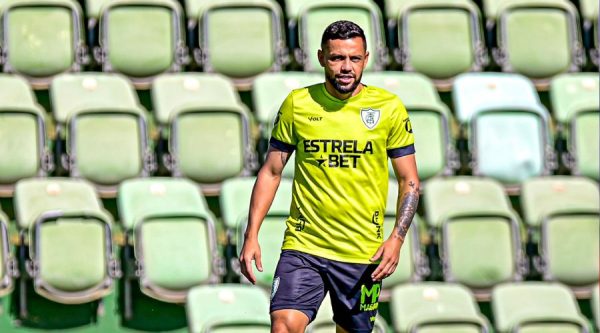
{"x": 406, "y": 211}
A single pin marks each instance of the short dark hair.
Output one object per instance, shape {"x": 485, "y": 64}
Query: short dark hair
{"x": 342, "y": 30}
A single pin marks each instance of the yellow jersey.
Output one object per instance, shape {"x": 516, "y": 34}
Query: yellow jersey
{"x": 341, "y": 172}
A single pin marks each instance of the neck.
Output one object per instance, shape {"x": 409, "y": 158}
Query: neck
{"x": 333, "y": 92}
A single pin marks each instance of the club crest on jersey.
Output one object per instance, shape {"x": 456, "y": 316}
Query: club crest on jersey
{"x": 370, "y": 117}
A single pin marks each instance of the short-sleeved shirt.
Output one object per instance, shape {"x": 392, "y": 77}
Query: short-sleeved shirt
{"x": 341, "y": 172}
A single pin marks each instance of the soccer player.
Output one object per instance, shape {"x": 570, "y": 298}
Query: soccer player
{"x": 343, "y": 133}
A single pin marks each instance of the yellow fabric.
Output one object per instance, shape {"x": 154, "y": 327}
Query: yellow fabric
{"x": 341, "y": 177}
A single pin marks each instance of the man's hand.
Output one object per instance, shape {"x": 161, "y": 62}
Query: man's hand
{"x": 389, "y": 252}
{"x": 250, "y": 252}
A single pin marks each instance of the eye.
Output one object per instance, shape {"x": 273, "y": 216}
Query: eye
{"x": 356, "y": 59}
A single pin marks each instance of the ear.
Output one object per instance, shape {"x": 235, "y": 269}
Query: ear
{"x": 366, "y": 59}
{"x": 321, "y": 57}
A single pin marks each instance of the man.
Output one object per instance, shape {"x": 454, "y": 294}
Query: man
{"x": 342, "y": 132}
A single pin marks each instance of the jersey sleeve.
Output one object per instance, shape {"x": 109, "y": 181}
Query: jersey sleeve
{"x": 282, "y": 136}
{"x": 400, "y": 141}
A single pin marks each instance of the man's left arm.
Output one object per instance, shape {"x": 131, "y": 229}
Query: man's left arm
{"x": 405, "y": 169}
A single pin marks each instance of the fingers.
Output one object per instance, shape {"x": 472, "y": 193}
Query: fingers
{"x": 386, "y": 267}
{"x": 258, "y": 258}
{"x": 377, "y": 254}
{"x": 246, "y": 258}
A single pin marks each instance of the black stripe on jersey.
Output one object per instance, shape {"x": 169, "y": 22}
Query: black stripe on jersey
{"x": 402, "y": 151}
{"x": 280, "y": 145}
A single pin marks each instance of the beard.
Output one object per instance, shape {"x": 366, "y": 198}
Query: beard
{"x": 342, "y": 89}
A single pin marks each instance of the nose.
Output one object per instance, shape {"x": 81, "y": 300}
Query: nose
{"x": 346, "y": 65}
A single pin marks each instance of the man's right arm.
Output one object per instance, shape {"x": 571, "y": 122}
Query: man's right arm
{"x": 267, "y": 182}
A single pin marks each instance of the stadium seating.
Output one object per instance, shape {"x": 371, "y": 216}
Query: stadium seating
{"x": 270, "y": 90}
{"x": 536, "y": 307}
{"x": 430, "y": 119}
{"x": 565, "y": 212}
{"x": 70, "y": 243}
{"x": 323, "y": 322}
{"x": 209, "y": 137}
{"x": 314, "y": 17}
{"x": 228, "y": 308}
{"x": 479, "y": 232}
{"x": 539, "y": 39}
{"x": 454, "y": 26}
{"x": 577, "y": 110}
{"x": 241, "y": 51}
{"x": 271, "y": 231}
{"x": 413, "y": 265}
{"x": 506, "y": 125}
{"x": 172, "y": 233}
{"x": 141, "y": 39}
{"x": 107, "y": 139}
{"x": 42, "y": 38}
{"x": 435, "y": 307}
{"x": 8, "y": 265}
{"x": 23, "y": 142}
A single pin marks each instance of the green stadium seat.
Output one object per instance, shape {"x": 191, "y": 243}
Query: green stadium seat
{"x": 429, "y": 116}
{"x": 228, "y": 308}
{"x": 314, "y": 17}
{"x": 480, "y": 236}
{"x": 141, "y": 39}
{"x": 413, "y": 265}
{"x": 425, "y": 28}
{"x": 576, "y": 108}
{"x": 23, "y": 142}
{"x": 596, "y": 305}
{"x": 172, "y": 232}
{"x": 42, "y": 38}
{"x": 241, "y": 51}
{"x": 8, "y": 265}
{"x": 490, "y": 106}
{"x": 270, "y": 90}
{"x": 539, "y": 39}
{"x": 271, "y": 232}
{"x": 564, "y": 213}
{"x": 209, "y": 140}
{"x": 171, "y": 92}
{"x": 536, "y": 307}
{"x": 435, "y": 307}
{"x": 323, "y": 322}
{"x": 107, "y": 140}
{"x": 70, "y": 243}
{"x": 71, "y": 93}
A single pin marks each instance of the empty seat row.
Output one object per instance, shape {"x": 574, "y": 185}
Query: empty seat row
{"x": 481, "y": 237}
{"x": 144, "y": 38}
{"x": 208, "y": 131}
{"x": 67, "y": 253}
{"x": 417, "y": 307}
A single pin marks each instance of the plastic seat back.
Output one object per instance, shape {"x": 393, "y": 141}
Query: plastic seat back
{"x": 254, "y": 45}
{"x": 228, "y": 308}
{"x": 71, "y": 93}
{"x": 173, "y": 234}
{"x": 171, "y": 91}
{"x": 536, "y": 307}
{"x": 435, "y": 306}
{"x": 538, "y": 38}
{"x": 452, "y": 26}
{"x": 315, "y": 17}
{"x": 554, "y": 205}
{"x": 141, "y": 39}
{"x": 429, "y": 117}
{"x": 42, "y": 38}
{"x": 22, "y": 135}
